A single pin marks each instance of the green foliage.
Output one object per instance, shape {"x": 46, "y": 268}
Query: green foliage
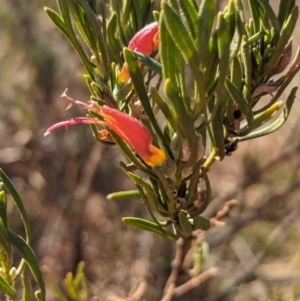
{"x": 231, "y": 64}
{"x": 74, "y": 286}
{"x": 9, "y": 240}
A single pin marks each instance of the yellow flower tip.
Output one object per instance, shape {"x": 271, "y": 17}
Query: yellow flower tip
{"x": 156, "y": 157}
{"x": 276, "y": 106}
{"x": 123, "y": 76}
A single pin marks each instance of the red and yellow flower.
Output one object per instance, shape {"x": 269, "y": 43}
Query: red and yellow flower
{"x": 131, "y": 130}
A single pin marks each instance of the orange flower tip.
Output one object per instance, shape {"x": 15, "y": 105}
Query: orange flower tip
{"x": 123, "y": 76}
{"x": 156, "y": 157}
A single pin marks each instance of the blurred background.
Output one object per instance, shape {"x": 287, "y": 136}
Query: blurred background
{"x": 63, "y": 179}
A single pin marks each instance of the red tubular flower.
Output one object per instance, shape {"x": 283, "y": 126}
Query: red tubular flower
{"x": 135, "y": 134}
{"x": 131, "y": 130}
{"x": 144, "y": 41}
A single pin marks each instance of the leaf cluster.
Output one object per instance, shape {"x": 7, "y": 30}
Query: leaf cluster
{"x": 207, "y": 79}
{"x": 9, "y": 240}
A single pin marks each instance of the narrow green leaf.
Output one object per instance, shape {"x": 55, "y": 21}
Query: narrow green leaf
{"x": 179, "y": 33}
{"x": 124, "y": 195}
{"x": 217, "y": 127}
{"x": 100, "y": 38}
{"x": 211, "y": 62}
{"x": 185, "y": 44}
{"x": 284, "y": 10}
{"x": 57, "y": 20}
{"x": 156, "y": 97}
{"x": 206, "y": 202}
{"x": 223, "y": 70}
{"x": 190, "y": 13}
{"x": 286, "y": 33}
{"x": 247, "y": 66}
{"x": 281, "y": 89}
{"x": 113, "y": 41}
{"x": 272, "y": 19}
{"x": 67, "y": 30}
{"x": 138, "y": 13}
{"x": 3, "y": 204}
{"x": 83, "y": 24}
{"x": 148, "y": 61}
{"x": 236, "y": 73}
{"x": 148, "y": 226}
{"x": 255, "y": 14}
{"x": 27, "y": 286}
{"x": 241, "y": 102}
{"x": 185, "y": 224}
{"x": 192, "y": 195}
{"x": 183, "y": 120}
{"x": 28, "y": 255}
{"x": 279, "y": 122}
{"x": 206, "y": 20}
{"x": 263, "y": 117}
{"x": 6, "y": 288}
{"x": 18, "y": 201}
{"x": 239, "y": 28}
{"x": 168, "y": 52}
{"x": 6, "y": 255}
{"x": 223, "y": 49}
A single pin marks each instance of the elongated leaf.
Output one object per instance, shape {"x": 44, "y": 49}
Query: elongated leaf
{"x": 138, "y": 13}
{"x": 123, "y": 195}
{"x": 185, "y": 44}
{"x": 285, "y": 35}
{"x": 57, "y": 20}
{"x": 6, "y": 255}
{"x": 223, "y": 70}
{"x": 27, "y": 286}
{"x": 183, "y": 120}
{"x": 100, "y": 38}
{"x": 83, "y": 24}
{"x": 241, "y": 102}
{"x": 157, "y": 98}
{"x": 206, "y": 20}
{"x": 247, "y": 66}
{"x": 3, "y": 204}
{"x": 190, "y": 13}
{"x": 217, "y": 127}
{"x": 168, "y": 52}
{"x": 284, "y": 10}
{"x": 206, "y": 202}
{"x": 254, "y": 9}
{"x": 272, "y": 19}
{"x": 262, "y": 117}
{"x": 148, "y": 226}
{"x": 18, "y": 201}
{"x": 185, "y": 224}
{"x": 279, "y": 122}
{"x": 113, "y": 41}
{"x": 65, "y": 25}
{"x": 20, "y": 244}
{"x": 6, "y": 288}
{"x": 179, "y": 33}
{"x": 148, "y": 61}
